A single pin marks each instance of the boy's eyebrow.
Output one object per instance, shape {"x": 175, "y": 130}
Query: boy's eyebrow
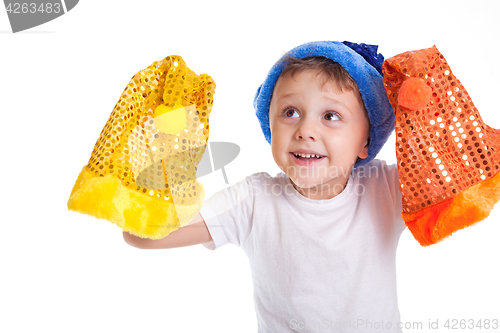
{"x": 336, "y": 101}
{"x": 286, "y": 95}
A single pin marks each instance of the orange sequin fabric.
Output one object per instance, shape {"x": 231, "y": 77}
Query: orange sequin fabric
{"x": 445, "y": 147}
{"x": 133, "y": 149}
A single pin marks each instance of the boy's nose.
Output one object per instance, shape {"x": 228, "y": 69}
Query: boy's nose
{"x": 307, "y": 129}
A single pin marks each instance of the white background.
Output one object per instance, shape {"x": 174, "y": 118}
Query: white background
{"x": 61, "y": 271}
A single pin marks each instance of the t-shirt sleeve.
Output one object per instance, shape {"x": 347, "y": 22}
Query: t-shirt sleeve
{"x": 393, "y": 179}
{"x": 228, "y": 214}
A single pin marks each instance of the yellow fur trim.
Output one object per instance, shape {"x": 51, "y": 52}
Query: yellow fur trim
{"x": 139, "y": 214}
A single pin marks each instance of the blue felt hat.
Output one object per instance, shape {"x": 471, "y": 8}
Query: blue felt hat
{"x": 363, "y": 64}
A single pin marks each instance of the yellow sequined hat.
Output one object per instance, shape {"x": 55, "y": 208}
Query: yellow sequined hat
{"x": 142, "y": 172}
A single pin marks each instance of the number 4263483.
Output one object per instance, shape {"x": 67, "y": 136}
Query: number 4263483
{"x": 25, "y": 8}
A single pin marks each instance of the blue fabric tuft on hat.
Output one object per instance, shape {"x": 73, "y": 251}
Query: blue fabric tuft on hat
{"x": 362, "y": 62}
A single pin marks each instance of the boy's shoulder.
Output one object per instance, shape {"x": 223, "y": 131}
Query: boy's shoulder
{"x": 376, "y": 163}
{"x": 376, "y": 171}
{"x": 379, "y": 180}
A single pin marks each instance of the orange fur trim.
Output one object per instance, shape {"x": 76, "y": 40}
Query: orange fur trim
{"x": 434, "y": 223}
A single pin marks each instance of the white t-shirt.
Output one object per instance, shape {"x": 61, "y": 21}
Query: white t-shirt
{"x": 317, "y": 265}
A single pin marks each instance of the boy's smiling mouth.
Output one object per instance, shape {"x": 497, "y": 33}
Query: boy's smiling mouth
{"x": 306, "y": 153}
{"x": 306, "y": 157}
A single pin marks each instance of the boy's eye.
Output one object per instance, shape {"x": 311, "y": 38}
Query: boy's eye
{"x": 332, "y": 116}
{"x": 288, "y": 112}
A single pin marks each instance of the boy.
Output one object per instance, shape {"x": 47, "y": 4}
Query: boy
{"x": 322, "y": 236}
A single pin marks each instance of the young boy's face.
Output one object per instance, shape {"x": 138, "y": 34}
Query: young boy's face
{"x": 310, "y": 116}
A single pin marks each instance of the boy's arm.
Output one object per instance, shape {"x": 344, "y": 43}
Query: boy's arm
{"x": 195, "y": 232}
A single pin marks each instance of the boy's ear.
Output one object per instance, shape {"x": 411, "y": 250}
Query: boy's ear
{"x": 364, "y": 152}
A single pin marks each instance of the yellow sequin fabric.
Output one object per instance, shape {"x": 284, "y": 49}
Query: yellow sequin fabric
{"x": 445, "y": 147}
{"x": 143, "y": 166}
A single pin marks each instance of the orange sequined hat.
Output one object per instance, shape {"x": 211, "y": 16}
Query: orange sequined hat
{"x": 142, "y": 172}
{"x": 448, "y": 159}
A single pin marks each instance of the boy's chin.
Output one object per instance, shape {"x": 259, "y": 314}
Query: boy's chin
{"x": 306, "y": 183}
{"x": 318, "y": 184}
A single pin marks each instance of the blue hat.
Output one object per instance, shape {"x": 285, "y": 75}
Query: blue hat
{"x": 363, "y": 64}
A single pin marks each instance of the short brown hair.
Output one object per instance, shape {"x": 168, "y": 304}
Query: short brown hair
{"x": 331, "y": 71}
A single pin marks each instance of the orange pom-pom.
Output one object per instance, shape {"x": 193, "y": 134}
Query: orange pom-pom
{"x": 414, "y": 94}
